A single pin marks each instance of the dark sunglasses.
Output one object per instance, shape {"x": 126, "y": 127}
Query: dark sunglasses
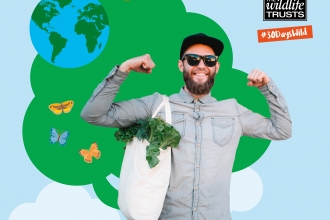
{"x": 194, "y": 59}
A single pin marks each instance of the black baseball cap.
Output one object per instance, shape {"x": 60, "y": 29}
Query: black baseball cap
{"x": 201, "y": 38}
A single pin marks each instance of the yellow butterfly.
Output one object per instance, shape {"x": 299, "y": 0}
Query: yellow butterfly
{"x": 89, "y": 154}
{"x": 58, "y": 108}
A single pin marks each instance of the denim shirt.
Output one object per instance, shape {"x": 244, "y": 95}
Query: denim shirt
{"x": 210, "y": 131}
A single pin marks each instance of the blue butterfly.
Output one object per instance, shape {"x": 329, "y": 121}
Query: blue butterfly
{"x": 61, "y": 138}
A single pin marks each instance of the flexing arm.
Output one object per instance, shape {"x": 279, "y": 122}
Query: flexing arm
{"x": 278, "y": 126}
{"x": 100, "y": 109}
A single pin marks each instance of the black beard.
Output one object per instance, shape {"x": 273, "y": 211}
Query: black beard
{"x": 197, "y": 88}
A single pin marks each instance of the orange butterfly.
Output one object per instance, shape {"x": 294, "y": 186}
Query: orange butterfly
{"x": 88, "y": 154}
{"x": 58, "y": 108}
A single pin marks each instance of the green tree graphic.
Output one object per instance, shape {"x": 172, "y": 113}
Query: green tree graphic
{"x": 137, "y": 27}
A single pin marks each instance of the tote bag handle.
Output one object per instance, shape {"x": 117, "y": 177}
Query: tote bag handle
{"x": 168, "y": 117}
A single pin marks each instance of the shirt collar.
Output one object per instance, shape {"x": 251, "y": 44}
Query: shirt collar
{"x": 189, "y": 98}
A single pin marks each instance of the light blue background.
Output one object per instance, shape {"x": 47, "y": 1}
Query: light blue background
{"x": 294, "y": 172}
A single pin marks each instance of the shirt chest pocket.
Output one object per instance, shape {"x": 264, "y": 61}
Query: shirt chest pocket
{"x": 178, "y": 121}
{"x": 223, "y": 129}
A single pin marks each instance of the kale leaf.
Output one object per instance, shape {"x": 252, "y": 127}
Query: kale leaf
{"x": 156, "y": 131}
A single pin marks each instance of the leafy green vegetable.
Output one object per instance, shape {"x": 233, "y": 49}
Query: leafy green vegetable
{"x": 156, "y": 131}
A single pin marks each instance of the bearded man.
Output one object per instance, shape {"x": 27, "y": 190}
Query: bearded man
{"x": 210, "y": 130}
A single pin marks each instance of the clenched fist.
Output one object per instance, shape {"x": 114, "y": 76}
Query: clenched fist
{"x": 141, "y": 64}
{"x": 257, "y": 78}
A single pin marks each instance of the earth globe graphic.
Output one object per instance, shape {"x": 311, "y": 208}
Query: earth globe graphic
{"x": 69, "y": 33}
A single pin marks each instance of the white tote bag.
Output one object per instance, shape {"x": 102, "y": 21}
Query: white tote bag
{"x": 142, "y": 190}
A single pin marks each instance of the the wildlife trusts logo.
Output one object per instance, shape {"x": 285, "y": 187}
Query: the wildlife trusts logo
{"x": 285, "y": 10}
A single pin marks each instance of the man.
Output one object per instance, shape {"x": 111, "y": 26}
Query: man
{"x": 210, "y": 129}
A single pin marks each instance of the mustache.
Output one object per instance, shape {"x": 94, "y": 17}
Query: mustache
{"x": 197, "y": 88}
{"x": 202, "y": 70}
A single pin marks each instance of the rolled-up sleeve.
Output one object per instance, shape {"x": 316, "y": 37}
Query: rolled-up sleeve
{"x": 102, "y": 111}
{"x": 277, "y": 127}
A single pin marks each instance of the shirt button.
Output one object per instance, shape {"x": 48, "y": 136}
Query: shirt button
{"x": 198, "y": 145}
{"x": 194, "y": 208}
{"x": 197, "y": 166}
{"x": 223, "y": 122}
{"x": 196, "y": 187}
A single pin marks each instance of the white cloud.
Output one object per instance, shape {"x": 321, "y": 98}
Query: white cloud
{"x": 58, "y": 201}
{"x": 245, "y": 191}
